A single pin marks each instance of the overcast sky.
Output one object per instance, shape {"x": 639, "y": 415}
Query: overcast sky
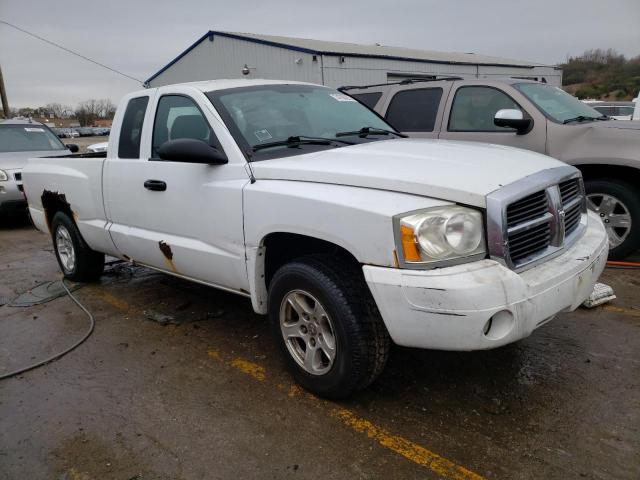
{"x": 140, "y": 36}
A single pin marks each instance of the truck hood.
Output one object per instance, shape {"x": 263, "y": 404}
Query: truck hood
{"x": 614, "y": 142}
{"x": 18, "y": 160}
{"x": 463, "y": 172}
{"x": 620, "y": 124}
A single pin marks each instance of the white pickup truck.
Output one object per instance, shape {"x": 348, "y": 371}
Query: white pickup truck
{"x": 347, "y": 235}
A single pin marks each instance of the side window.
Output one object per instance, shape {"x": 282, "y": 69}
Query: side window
{"x": 131, "y": 129}
{"x": 368, "y": 99}
{"x": 179, "y": 117}
{"x": 414, "y": 110}
{"x": 474, "y": 108}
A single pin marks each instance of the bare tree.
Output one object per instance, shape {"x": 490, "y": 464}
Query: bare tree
{"x": 58, "y": 110}
{"x": 91, "y": 110}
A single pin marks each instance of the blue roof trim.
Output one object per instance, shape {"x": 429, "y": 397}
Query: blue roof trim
{"x": 211, "y": 33}
{"x": 269, "y": 43}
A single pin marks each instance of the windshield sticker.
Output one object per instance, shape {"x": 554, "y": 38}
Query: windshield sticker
{"x": 262, "y": 134}
{"x": 41, "y": 130}
{"x": 341, "y": 97}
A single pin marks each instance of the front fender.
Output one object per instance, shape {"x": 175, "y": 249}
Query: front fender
{"x": 357, "y": 219}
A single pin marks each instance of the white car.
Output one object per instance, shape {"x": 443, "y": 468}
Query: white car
{"x": 98, "y": 147}
{"x": 346, "y": 234}
{"x": 615, "y": 110}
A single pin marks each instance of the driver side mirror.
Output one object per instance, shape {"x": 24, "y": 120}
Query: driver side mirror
{"x": 190, "y": 150}
{"x": 513, "y": 118}
{"x": 72, "y": 147}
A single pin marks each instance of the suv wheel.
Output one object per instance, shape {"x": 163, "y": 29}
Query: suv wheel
{"x": 327, "y": 325}
{"x": 76, "y": 260}
{"x": 619, "y": 210}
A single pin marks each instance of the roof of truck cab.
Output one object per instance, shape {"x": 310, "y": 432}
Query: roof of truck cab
{"x": 223, "y": 84}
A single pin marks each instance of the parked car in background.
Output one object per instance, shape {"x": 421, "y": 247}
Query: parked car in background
{"x": 636, "y": 109}
{"x": 533, "y": 116}
{"x": 345, "y": 234}
{"x": 85, "y": 131}
{"x": 19, "y": 140}
{"x": 65, "y": 132}
{"x": 615, "y": 110}
{"x": 98, "y": 147}
{"x": 100, "y": 131}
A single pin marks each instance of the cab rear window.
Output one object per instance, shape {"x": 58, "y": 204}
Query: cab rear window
{"x": 131, "y": 130}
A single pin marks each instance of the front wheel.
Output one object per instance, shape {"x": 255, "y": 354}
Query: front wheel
{"x": 618, "y": 205}
{"x": 327, "y": 325}
{"x": 76, "y": 260}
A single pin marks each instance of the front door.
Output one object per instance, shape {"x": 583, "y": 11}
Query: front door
{"x": 184, "y": 218}
{"x": 470, "y": 113}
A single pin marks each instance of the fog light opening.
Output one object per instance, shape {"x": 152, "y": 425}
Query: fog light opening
{"x": 499, "y": 325}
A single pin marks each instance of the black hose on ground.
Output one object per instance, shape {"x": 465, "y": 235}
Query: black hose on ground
{"x": 92, "y": 324}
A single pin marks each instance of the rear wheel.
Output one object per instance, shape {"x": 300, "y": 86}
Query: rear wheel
{"x": 76, "y": 260}
{"x": 327, "y": 325}
{"x": 618, "y": 206}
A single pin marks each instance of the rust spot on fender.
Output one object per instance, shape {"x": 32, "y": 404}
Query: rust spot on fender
{"x": 165, "y": 249}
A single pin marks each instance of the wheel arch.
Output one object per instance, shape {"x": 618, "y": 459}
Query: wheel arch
{"x": 602, "y": 170}
{"x": 279, "y": 247}
{"x": 54, "y": 202}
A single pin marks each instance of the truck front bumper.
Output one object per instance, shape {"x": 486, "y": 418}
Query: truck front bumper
{"x": 482, "y": 305}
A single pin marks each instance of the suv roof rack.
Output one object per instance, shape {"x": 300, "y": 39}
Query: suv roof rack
{"x": 406, "y": 81}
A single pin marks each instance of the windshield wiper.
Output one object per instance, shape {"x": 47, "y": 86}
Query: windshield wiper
{"x": 365, "y": 131}
{"x": 584, "y": 118}
{"x": 296, "y": 140}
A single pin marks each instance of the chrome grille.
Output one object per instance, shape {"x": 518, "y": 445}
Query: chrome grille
{"x": 529, "y": 242}
{"x": 572, "y": 194}
{"x": 528, "y": 208}
{"x": 569, "y": 190}
{"x": 536, "y": 217}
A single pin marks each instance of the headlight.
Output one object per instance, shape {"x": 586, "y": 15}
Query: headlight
{"x": 439, "y": 236}
{"x": 3, "y": 176}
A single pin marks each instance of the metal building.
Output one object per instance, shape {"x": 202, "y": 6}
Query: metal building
{"x": 233, "y": 55}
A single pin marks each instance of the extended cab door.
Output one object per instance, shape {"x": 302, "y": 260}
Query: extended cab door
{"x": 471, "y": 108}
{"x": 184, "y": 218}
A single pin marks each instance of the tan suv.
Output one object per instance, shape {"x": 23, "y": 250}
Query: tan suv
{"x": 530, "y": 115}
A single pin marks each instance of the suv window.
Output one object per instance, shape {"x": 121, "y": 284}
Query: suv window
{"x": 179, "y": 117}
{"x": 474, "y": 108}
{"x": 368, "y": 99}
{"x": 131, "y": 130}
{"x": 414, "y": 110}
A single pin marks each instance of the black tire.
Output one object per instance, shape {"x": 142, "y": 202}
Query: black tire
{"x": 629, "y": 196}
{"x": 89, "y": 264}
{"x": 362, "y": 340}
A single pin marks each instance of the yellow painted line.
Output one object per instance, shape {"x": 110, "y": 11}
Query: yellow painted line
{"x": 411, "y": 451}
{"x": 112, "y": 300}
{"x": 245, "y": 366}
{"x": 627, "y": 311}
{"x": 252, "y": 369}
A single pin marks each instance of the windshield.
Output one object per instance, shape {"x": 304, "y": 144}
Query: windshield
{"x": 268, "y": 114}
{"x": 28, "y": 138}
{"x": 556, "y": 103}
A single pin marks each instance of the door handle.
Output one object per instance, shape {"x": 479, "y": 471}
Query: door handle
{"x": 155, "y": 185}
